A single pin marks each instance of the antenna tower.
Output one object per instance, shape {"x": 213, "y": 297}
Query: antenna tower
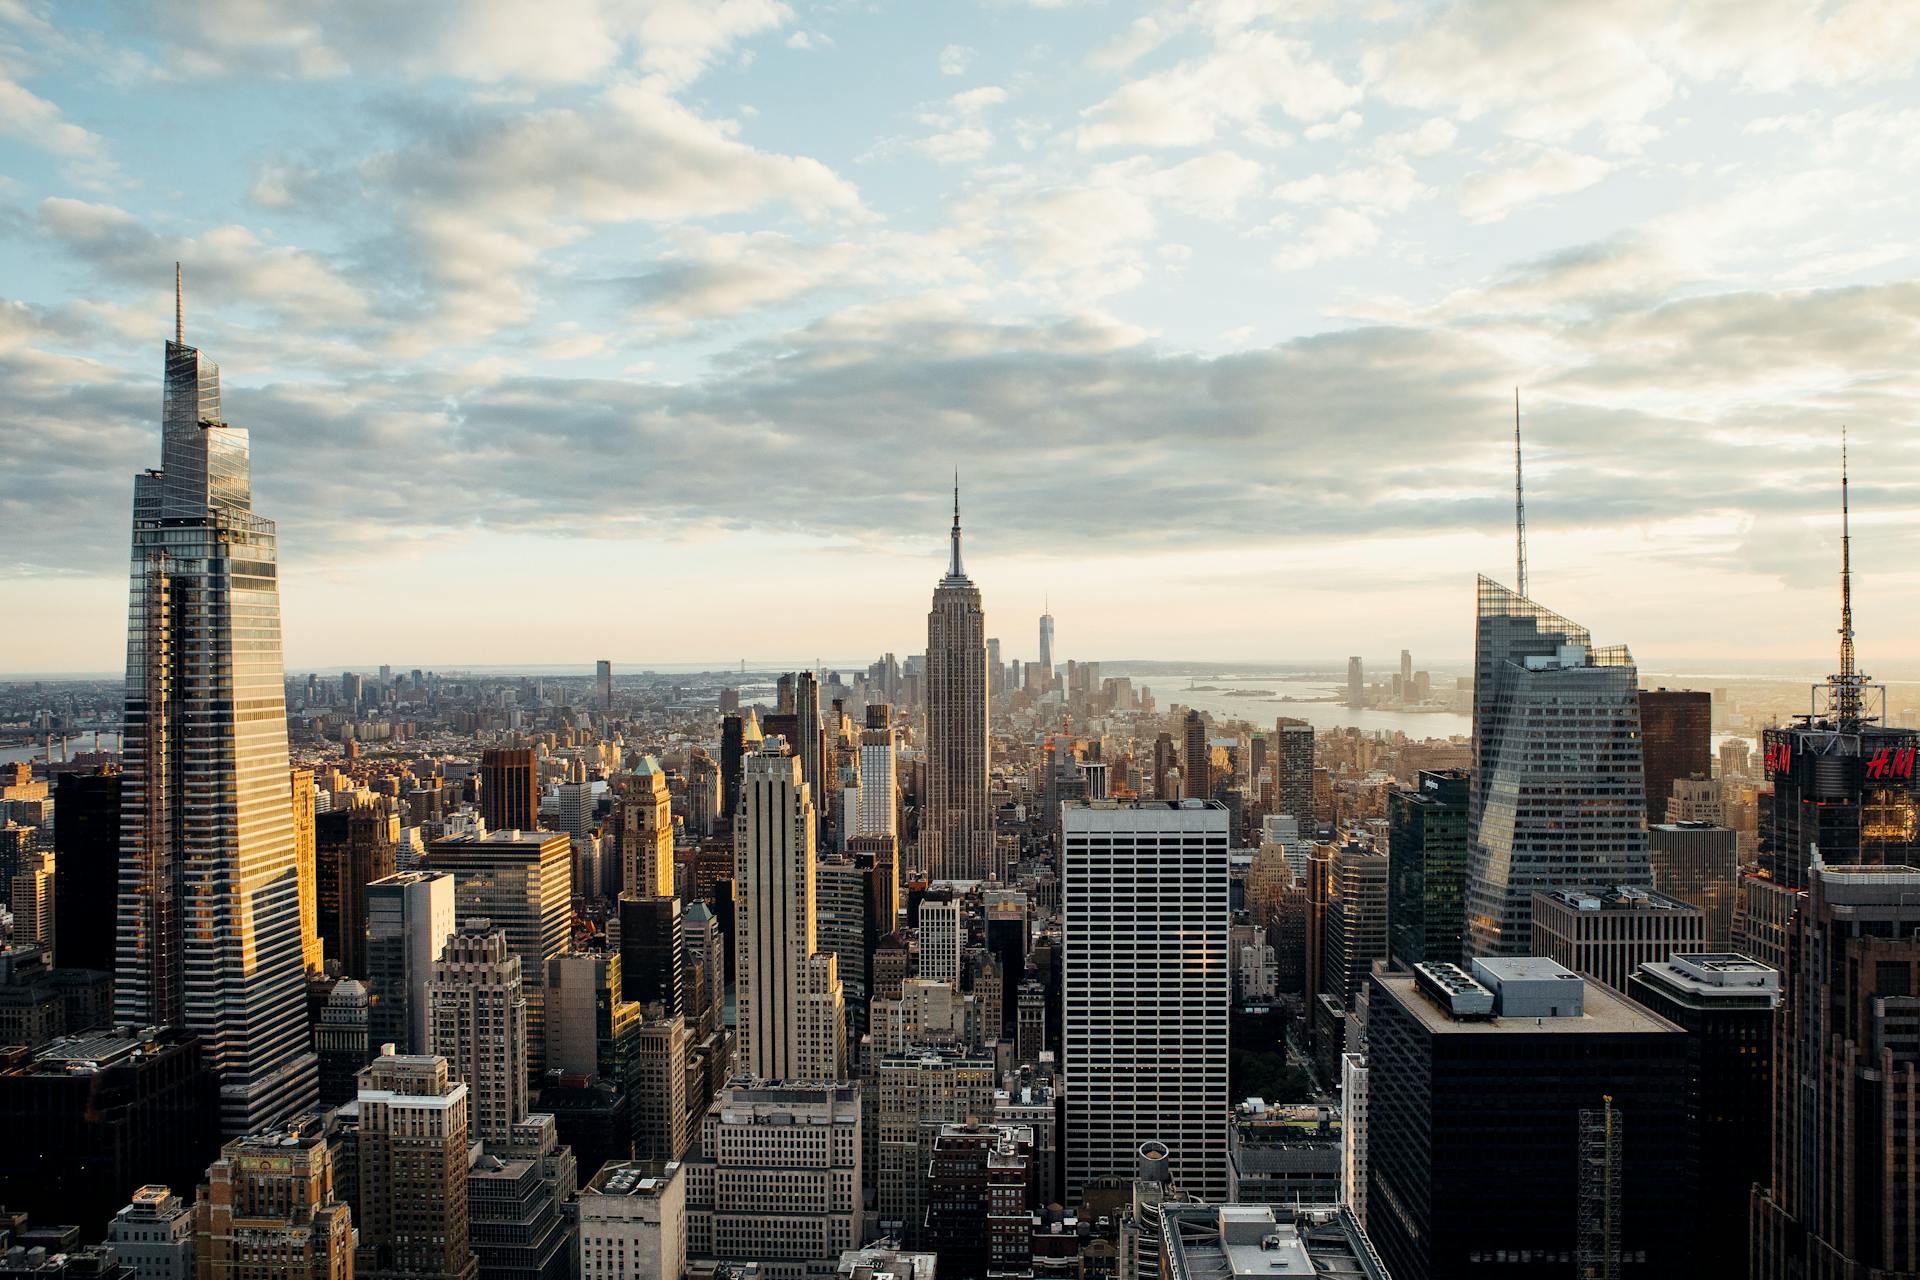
{"x": 1519, "y": 503}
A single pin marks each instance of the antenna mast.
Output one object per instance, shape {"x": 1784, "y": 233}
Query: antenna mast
{"x": 1847, "y": 683}
{"x": 179, "y": 311}
{"x": 1519, "y": 502}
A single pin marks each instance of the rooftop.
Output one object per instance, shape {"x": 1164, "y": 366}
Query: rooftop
{"x": 1603, "y": 1012}
{"x": 1229, "y": 1241}
{"x": 640, "y": 1178}
{"x": 1615, "y": 898}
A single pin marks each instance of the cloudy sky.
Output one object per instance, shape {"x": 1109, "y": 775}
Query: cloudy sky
{"x": 655, "y": 329}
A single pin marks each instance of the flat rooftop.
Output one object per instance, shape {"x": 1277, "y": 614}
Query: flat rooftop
{"x": 1603, "y": 1013}
{"x": 1615, "y": 898}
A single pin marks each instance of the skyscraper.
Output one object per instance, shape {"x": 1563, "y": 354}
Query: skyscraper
{"x": 1676, "y": 737}
{"x": 733, "y": 749}
{"x": 1847, "y": 1074}
{"x": 603, "y": 684}
{"x": 305, "y": 855}
{"x": 414, "y": 1167}
{"x": 956, "y": 831}
{"x": 774, "y": 922}
{"x": 510, "y": 788}
{"x": 810, "y": 741}
{"x": 1558, "y": 800}
{"x": 271, "y": 1196}
{"x": 1427, "y": 870}
{"x": 479, "y": 1027}
{"x": 410, "y": 916}
{"x": 86, "y": 863}
{"x": 1356, "y": 682}
{"x": 209, "y": 930}
{"x": 1046, "y": 648}
{"x": 879, "y": 787}
{"x": 1293, "y": 771}
{"x": 354, "y": 847}
{"x": 646, "y": 842}
{"x": 1144, "y": 904}
{"x": 1197, "y": 760}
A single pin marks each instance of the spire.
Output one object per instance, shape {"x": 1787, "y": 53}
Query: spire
{"x": 179, "y": 310}
{"x": 1519, "y": 504}
{"x": 1847, "y": 683}
{"x": 955, "y": 573}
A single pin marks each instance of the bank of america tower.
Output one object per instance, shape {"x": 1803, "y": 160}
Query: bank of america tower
{"x": 209, "y": 922}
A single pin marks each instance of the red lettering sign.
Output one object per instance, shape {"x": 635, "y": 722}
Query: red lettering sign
{"x": 1779, "y": 756}
{"x": 1888, "y": 763}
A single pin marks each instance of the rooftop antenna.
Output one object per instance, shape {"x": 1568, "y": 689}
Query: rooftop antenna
{"x": 1519, "y": 502}
{"x": 179, "y": 310}
{"x": 954, "y": 571}
{"x": 1847, "y": 683}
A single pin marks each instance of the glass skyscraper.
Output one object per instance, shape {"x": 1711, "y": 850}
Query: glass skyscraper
{"x": 209, "y": 929}
{"x": 1558, "y": 796}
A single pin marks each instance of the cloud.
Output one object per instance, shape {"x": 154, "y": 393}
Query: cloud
{"x": 955, "y": 59}
{"x": 26, "y": 117}
{"x": 1248, "y": 73}
{"x": 1339, "y": 233}
{"x": 1527, "y": 177}
{"x": 1388, "y": 185}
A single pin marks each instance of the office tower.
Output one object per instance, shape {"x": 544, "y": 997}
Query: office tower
{"x": 305, "y": 855}
{"x": 479, "y": 1028}
{"x": 1557, "y": 798}
{"x": 977, "y": 1216}
{"x": 353, "y": 847}
{"x": 353, "y": 690}
{"x": 820, "y": 1046}
{"x": 646, "y": 840}
{"x": 1353, "y": 930}
{"x": 413, "y": 1171}
{"x": 1293, "y": 771}
{"x": 1007, "y": 930}
{"x": 776, "y": 1177}
{"x": 1846, "y": 1060}
{"x": 209, "y": 928}
{"x": 1698, "y": 863}
{"x": 32, "y": 900}
{"x": 515, "y": 1194}
{"x": 810, "y": 738}
{"x": 775, "y": 914}
{"x": 1354, "y": 1118}
{"x": 270, "y": 1207}
{"x": 341, "y": 1042}
{"x": 916, "y": 1091}
{"x": 591, "y": 1025}
{"x": 603, "y": 684}
{"x": 660, "y": 1119}
{"x": 633, "y": 1222}
{"x": 1356, "y": 682}
{"x": 703, "y": 792}
{"x": 1676, "y": 739}
{"x": 1726, "y": 1003}
{"x": 575, "y": 816}
{"x": 522, "y": 882}
{"x": 1196, "y": 759}
{"x": 1046, "y": 650}
{"x": 85, "y": 1117}
{"x": 1479, "y": 1081}
{"x": 1606, "y": 934}
{"x": 86, "y": 860}
{"x": 1144, "y": 906}
{"x": 154, "y": 1235}
{"x": 510, "y": 788}
{"x": 846, "y": 896}
{"x": 879, "y": 783}
{"x": 956, "y": 827}
{"x": 943, "y": 935}
{"x": 410, "y": 916}
{"x": 732, "y": 751}
{"x": 1427, "y": 869}
{"x": 652, "y": 950}
{"x": 704, "y": 951}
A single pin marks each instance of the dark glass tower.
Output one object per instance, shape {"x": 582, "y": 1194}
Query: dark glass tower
{"x": 1676, "y": 733}
{"x": 86, "y": 862}
{"x": 209, "y": 934}
{"x": 1427, "y": 870}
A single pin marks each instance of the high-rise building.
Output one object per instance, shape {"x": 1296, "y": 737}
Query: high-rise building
{"x": 603, "y": 684}
{"x": 1356, "y": 682}
{"x": 1045, "y": 662}
{"x": 915, "y": 1092}
{"x": 510, "y": 788}
{"x": 879, "y": 784}
{"x": 646, "y": 841}
{"x": 652, "y": 950}
{"x": 1558, "y": 799}
{"x": 517, "y": 1192}
{"x": 154, "y": 1235}
{"x": 1481, "y": 1080}
{"x": 270, "y": 1207}
{"x": 479, "y": 1027}
{"x": 660, "y": 1119}
{"x": 943, "y": 935}
{"x": 777, "y": 1178}
{"x": 354, "y": 847}
{"x": 1726, "y": 1003}
{"x": 774, "y": 924}
{"x": 1607, "y": 933}
{"x": 1292, "y": 756}
{"x": 847, "y": 894}
{"x": 341, "y": 1041}
{"x": 733, "y": 749}
{"x": 1144, "y": 907}
{"x": 209, "y": 928}
{"x": 574, "y": 806}
{"x": 1427, "y": 869}
{"x": 410, "y": 917}
{"x": 979, "y": 1187}
{"x": 86, "y": 862}
{"x": 414, "y": 1166}
{"x": 956, "y": 826}
{"x": 633, "y": 1222}
{"x": 1676, "y": 738}
{"x": 305, "y": 861}
{"x": 1698, "y": 863}
{"x": 1196, "y": 761}
{"x": 1353, "y": 927}
{"x": 1847, "y": 1072}
{"x": 809, "y": 742}
{"x": 32, "y": 899}
{"x": 522, "y": 882}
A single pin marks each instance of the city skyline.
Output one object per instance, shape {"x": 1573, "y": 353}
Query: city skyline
{"x": 1328, "y": 280}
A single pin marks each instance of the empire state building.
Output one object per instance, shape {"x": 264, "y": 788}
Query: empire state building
{"x": 210, "y": 934}
{"x": 956, "y": 832}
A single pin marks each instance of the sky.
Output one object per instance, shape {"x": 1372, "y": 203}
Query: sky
{"x": 657, "y": 330}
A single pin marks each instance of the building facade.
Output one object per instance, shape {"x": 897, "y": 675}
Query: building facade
{"x": 956, "y": 828}
{"x": 1427, "y": 869}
